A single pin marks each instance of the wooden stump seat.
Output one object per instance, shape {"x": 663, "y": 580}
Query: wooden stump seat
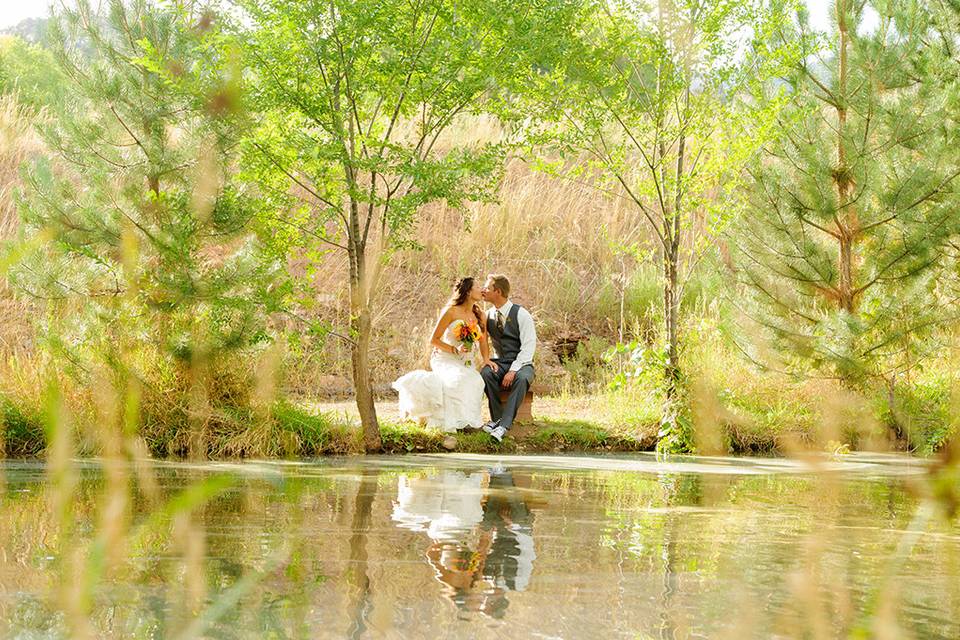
{"x": 525, "y": 412}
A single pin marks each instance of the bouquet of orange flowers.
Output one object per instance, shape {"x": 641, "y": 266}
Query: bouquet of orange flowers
{"x": 467, "y": 333}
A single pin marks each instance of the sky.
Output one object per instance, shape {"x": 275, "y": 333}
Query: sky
{"x": 13, "y": 11}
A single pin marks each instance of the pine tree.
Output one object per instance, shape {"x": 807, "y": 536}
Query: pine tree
{"x": 140, "y": 238}
{"x": 854, "y": 207}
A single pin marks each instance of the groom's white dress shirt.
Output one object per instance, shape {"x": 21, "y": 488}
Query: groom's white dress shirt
{"x": 528, "y": 334}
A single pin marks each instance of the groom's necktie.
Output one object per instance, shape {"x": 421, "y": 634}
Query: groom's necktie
{"x": 499, "y": 321}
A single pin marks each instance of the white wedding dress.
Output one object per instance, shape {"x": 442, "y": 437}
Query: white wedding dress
{"x": 450, "y": 396}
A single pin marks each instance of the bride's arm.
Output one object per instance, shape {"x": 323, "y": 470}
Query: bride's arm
{"x": 485, "y": 353}
{"x": 435, "y": 340}
{"x": 484, "y": 349}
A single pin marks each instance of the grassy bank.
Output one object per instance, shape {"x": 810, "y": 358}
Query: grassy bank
{"x": 301, "y": 431}
{"x": 615, "y": 405}
{"x": 738, "y": 421}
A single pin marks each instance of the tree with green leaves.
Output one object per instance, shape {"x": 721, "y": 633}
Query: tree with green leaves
{"x": 644, "y": 103}
{"x": 354, "y": 98}
{"x": 853, "y": 210}
{"x": 29, "y": 72}
{"x": 137, "y": 235}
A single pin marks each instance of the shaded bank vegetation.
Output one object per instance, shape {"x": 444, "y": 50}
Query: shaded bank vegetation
{"x": 736, "y": 233}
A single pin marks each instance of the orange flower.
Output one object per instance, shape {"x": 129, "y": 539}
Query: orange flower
{"x": 467, "y": 332}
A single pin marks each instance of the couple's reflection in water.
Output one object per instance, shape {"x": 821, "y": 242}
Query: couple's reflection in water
{"x": 480, "y": 527}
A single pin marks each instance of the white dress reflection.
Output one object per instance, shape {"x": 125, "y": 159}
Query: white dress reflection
{"x": 480, "y": 530}
{"x": 445, "y": 505}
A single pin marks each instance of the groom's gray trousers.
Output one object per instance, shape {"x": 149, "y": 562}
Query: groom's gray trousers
{"x": 506, "y": 413}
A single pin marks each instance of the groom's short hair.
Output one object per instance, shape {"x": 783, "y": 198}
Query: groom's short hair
{"x": 500, "y": 283}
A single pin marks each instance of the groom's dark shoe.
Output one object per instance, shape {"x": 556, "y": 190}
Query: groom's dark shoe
{"x": 490, "y": 426}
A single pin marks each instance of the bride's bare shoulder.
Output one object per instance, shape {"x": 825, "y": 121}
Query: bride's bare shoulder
{"x": 447, "y": 313}
{"x": 461, "y": 312}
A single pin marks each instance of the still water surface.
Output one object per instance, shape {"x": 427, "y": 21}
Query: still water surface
{"x": 488, "y": 547}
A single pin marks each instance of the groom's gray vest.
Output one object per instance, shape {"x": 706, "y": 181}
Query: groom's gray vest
{"x": 506, "y": 342}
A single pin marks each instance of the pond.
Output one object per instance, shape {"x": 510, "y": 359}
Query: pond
{"x": 477, "y": 547}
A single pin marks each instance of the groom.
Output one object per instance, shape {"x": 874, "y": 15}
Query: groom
{"x": 514, "y": 337}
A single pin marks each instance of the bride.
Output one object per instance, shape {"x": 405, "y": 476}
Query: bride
{"x": 449, "y": 396}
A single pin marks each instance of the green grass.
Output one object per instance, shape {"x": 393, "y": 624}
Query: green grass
{"x": 286, "y": 431}
{"x": 755, "y": 417}
{"x": 21, "y": 430}
{"x": 636, "y": 410}
{"x": 409, "y": 438}
{"x": 924, "y": 410}
{"x": 316, "y": 433}
{"x": 293, "y": 431}
{"x": 580, "y": 435}
{"x": 758, "y": 422}
{"x": 543, "y": 436}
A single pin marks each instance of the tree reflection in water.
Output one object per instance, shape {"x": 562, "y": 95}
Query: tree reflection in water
{"x": 481, "y": 531}
{"x": 358, "y": 573}
{"x": 678, "y": 490}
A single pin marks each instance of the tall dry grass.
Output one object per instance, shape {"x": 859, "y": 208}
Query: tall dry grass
{"x": 557, "y": 241}
{"x": 19, "y": 143}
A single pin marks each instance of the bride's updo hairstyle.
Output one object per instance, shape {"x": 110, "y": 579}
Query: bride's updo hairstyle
{"x": 461, "y": 290}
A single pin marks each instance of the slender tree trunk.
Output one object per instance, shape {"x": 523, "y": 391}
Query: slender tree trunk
{"x": 845, "y": 286}
{"x": 670, "y": 212}
{"x": 360, "y": 330}
{"x": 673, "y": 272}
{"x": 847, "y": 220}
{"x": 895, "y": 422}
{"x": 671, "y": 316}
